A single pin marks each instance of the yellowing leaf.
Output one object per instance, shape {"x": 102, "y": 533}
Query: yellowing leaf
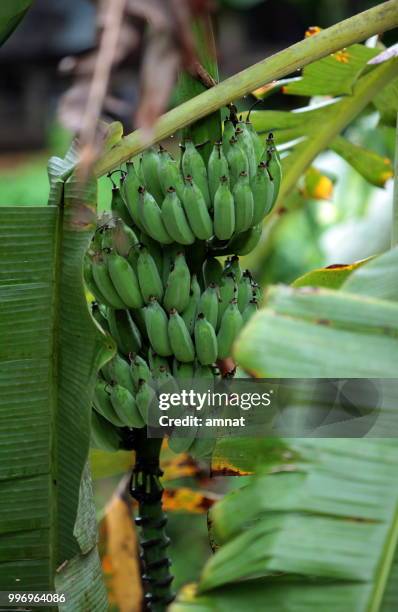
{"x": 331, "y": 277}
{"x": 188, "y": 500}
{"x": 376, "y": 169}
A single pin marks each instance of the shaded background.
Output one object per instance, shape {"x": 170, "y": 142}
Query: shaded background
{"x": 351, "y": 225}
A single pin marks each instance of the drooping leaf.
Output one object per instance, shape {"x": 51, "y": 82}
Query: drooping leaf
{"x": 308, "y": 534}
{"x": 333, "y": 75}
{"x": 331, "y": 277}
{"x": 11, "y": 13}
{"x": 372, "y": 166}
{"x": 379, "y": 278}
{"x": 386, "y": 102}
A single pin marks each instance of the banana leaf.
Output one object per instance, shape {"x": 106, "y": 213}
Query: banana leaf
{"x": 11, "y": 13}
{"x": 49, "y": 353}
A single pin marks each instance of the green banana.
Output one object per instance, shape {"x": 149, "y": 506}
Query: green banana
{"x": 237, "y": 161}
{"x": 216, "y": 168}
{"x": 245, "y": 291}
{"x": 156, "y": 362}
{"x": 228, "y": 290}
{"x": 193, "y": 165}
{"x": 99, "y": 318}
{"x": 208, "y": 304}
{"x": 202, "y": 371}
{"x": 166, "y": 383}
{"x": 212, "y": 271}
{"x": 244, "y": 204}
{"x": 257, "y": 293}
{"x": 90, "y": 282}
{"x": 138, "y": 316}
{"x": 151, "y": 216}
{"x": 103, "y": 435}
{"x": 124, "y": 331}
{"x": 228, "y": 133}
{"x": 125, "y": 281}
{"x": 126, "y": 408}
{"x": 249, "y": 311}
{"x": 118, "y": 206}
{"x": 274, "y": 167}
{"x": 169, "y": 173}
{"x": 157, "y": 328}
{"x": 231, "y": 324}
{"x": 224, "y": 211}
{"x": 148, "y": 276}
{"x": 180, "y": 339}
{"x": 232, "y": 264}
{"x": 183, "y": 372}
{"x": 178, "y": 285}
{"x": 150, "y": 171}
{"x": 175, "y": 220}
{"x": 263, "y": 193}
{"x": 245, "y": 242}
{"x": 139, "y": 370}
{"x": 104, "y": 283}
{"x": 130, "y": 185}
{"x": 257, "y": 144}
{"x": 144, "y": 398}
{"x": 196, "y": 210}
{"x": 118, "y": 371}
{"x": 205, "y": 341}
{"x": 246, "y": 143}
{"x": 103, "y": 404}
{"x": 189, "y": 314}
{"x": 125, "y": 241}
{"x": 154, "y": 249}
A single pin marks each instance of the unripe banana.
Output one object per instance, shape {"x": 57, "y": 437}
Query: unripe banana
{"x": 228, "y": 133}
{"x": 228, "y": 290}
{"x": 166, "y": 383}
{"x": 180, "y": 339}
{"x": 104, "y": 283}
{"x": 231, "y": 324}
{"x": 99, "y": 317}
{"x": 90, "y": 282}
{"x": 130, "y": 185}
{"x": 151, "y": 216}
{"x": 175, "y": 220}
{"x": 125, "y": 281}
{"x": 212, "y": 271}
{"x": 139, "y": 370}
{"x": 156, "y": 362}
{"x": 138, "y": 316}
{"x": 126, "y": 407}
{"x": 118, "y": 371}
{"x": 137, "y": 160}
{"x": 202, "y": 371}
{"x": 178, "y": 285}
{"x": 169, "y": 173}
{"x": 208, "y": 304}
{"x": 148, "y": 276}
{"x": 244, "y": 204}
{"x": 257, "y": 293}
{"x": 189, "y": 314}
{"x": 193, "y": 165}
{"x": 246, "y": 143}
{"x": 118, "y": 206}
{"x": 245, "y": 242}
{"x": 224, "y": 211}
{"x": 245, "y": 291}
{"x": 183, "y": 372}
{"x": 124, "y": 331}
{"x": 217, "y": 167}
{"x": 150, "y": 171}
{"x": 256, "y": 140}
{"x": 103, "y": 404}
{"x": 144, "y": 398}
{"x": 196, "y": 210}
{"x": 157, "y": 328}
{"x": 103, "y": 435}
{"x": 249, "y": 311}
{"x": 237, "y": 161}
{"x": 263, "y": 193}
{"x": 275, "y": 170}
{"x": 205, "y": 341}
{"x": 125, "y": 241}
{"x": 232, "y": 264}
{"x": 154, "y": 249}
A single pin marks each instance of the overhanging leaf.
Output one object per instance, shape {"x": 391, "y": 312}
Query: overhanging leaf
{"x": 376, "y": 169}
{"x": 331, "y": 277}
{"x": 379, "y": 278}
{"x": 11, "y": 13}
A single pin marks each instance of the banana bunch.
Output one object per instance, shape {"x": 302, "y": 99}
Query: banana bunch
{"x": 160, "y": 290}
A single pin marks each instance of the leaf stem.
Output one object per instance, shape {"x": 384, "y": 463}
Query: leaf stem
{"x": 355, "y": 29}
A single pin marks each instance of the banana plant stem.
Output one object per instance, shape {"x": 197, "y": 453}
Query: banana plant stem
{"x": 355, "y": 29}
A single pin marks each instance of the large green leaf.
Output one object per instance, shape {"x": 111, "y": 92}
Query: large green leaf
{"x": 11, "y": 13}
{"x": 379, "y": 278}
{"x": 50, "y": 352}
{"x": 311, "y": 531}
